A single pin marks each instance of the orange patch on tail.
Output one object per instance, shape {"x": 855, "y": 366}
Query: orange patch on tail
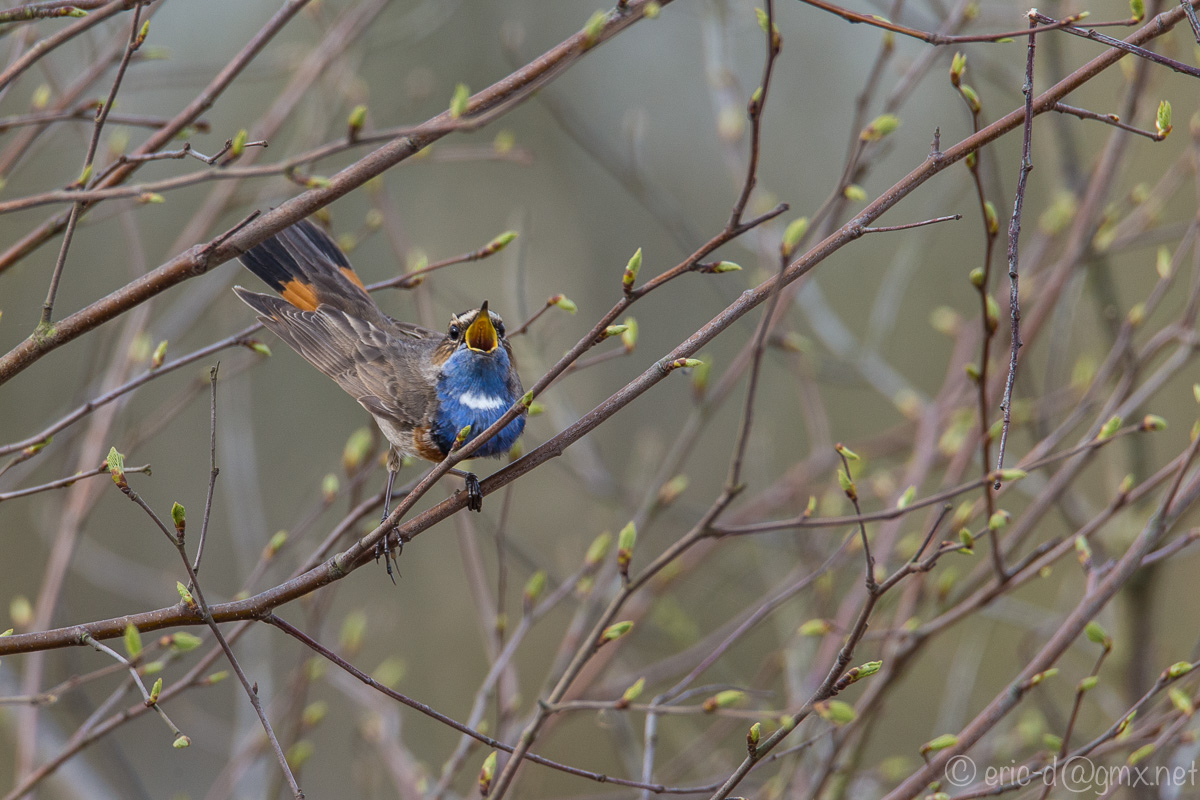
{"x": 352, "y": 276}
{"x": 301, "y": 295}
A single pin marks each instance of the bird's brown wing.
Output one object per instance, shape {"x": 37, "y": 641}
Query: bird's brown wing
{"x": 375, "y": 367}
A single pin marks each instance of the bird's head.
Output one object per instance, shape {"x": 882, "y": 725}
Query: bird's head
{"x": 478, "y": 332}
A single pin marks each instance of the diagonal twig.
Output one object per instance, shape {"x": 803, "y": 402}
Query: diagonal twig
{"x": 136, "y": 36}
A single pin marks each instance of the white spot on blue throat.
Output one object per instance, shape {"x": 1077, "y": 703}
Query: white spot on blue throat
{"x": 481, "y": 402}
{"x": 475, "y": 390}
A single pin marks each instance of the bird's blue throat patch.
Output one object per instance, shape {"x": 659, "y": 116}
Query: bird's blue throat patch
{"x": 473, "y": 390}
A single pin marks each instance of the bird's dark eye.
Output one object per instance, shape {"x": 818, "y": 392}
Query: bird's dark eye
{"x": 454, "y": 332}
{"x": 500, "y": 329}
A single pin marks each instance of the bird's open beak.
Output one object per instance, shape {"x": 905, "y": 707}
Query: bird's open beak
{"x": 481, "y": 334}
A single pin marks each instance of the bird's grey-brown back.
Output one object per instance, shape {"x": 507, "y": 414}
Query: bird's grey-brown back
{"x": 326, "y": 316}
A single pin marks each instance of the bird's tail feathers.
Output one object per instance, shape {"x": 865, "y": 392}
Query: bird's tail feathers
{"x": 308, "y": 269}
{"x": 305, "y": 332}
{"x": 266, "y": 306}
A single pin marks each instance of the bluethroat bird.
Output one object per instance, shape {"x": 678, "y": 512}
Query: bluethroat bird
{"x": 422, "y": 387}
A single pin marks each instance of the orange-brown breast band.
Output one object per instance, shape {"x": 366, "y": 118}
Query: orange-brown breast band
{"x": 423, "y": 442}
{"x": 352, "y": 276}
{"x": 299, "y": 294}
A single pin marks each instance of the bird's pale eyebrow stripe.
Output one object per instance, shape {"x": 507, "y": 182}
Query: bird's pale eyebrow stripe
{"x": 480, "y": 402}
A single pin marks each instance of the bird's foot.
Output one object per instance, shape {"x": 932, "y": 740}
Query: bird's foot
{"x": 383, "y": 548}
{"x": 474, "y": 493}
